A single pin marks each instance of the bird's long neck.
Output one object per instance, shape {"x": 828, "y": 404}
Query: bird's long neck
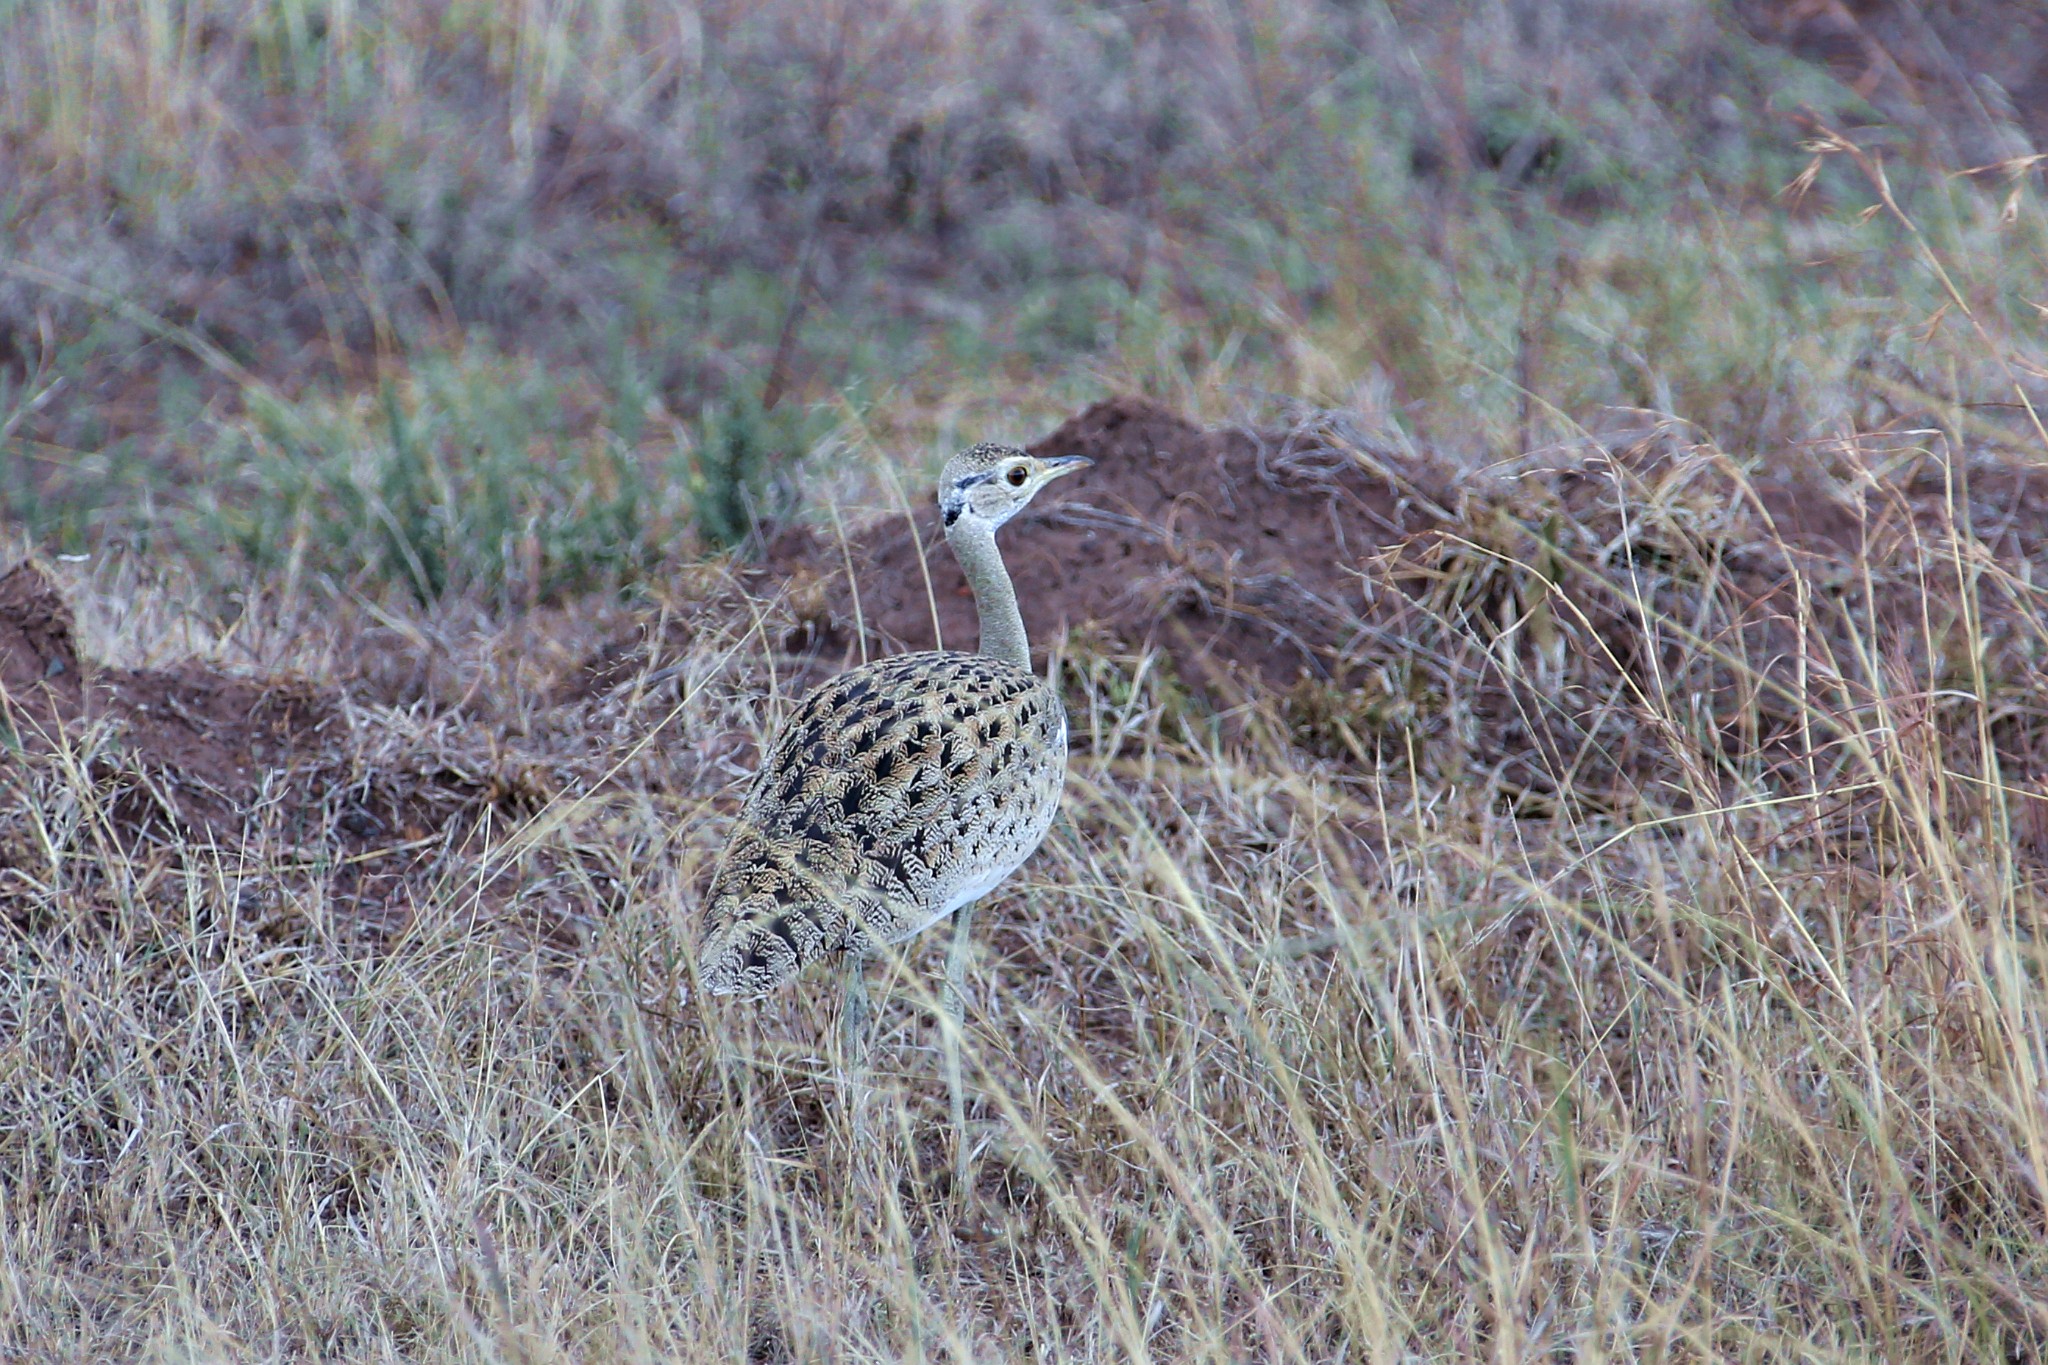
{"x": 995, "y": 601}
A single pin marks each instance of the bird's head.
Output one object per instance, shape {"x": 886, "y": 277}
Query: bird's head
{"x": 988, "y": 484}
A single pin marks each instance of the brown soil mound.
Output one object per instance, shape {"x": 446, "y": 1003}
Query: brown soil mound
{"x": 1239, "y": 551}
{"x": 191, "y": 746}
{"x": 38, "y": 662}
{"x": 1533, "y": 628}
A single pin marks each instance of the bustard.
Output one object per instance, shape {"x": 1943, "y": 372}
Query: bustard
{"x": 901, "y": 791}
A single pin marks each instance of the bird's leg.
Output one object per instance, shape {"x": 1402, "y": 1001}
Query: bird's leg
{"x": 954, "y": 1005}
{"x": 856, "y": 1019}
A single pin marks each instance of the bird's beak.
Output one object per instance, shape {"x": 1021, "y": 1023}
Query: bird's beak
{"x": 1064, "y": 464}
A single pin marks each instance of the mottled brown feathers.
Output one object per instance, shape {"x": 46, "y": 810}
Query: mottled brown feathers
{"x": 902, "y": 790}
{"x": 897, "y": 792}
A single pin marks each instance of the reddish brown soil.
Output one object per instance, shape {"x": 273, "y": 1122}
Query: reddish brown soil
{"x": 189, "y": 758}
{"x": 1365, "y": 594}
{"x": 1239, "y": 552}
{"x": 193, "y": 746}
{"x": 1264, "y": 548}
{"x": 38, "y": 661}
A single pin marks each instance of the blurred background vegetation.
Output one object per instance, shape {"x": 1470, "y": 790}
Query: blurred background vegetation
{"x": 521, "y": 298}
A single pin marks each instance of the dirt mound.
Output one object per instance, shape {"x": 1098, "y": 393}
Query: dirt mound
{"x": 1238, "y": 550}
{"x": 39, "y": 674}
{"x": 192, "y": 746}
{"x": 1535, "y": 627}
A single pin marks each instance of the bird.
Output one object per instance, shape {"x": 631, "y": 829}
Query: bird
{"x": 901, "y": 791}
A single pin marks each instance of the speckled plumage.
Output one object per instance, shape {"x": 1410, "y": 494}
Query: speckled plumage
{"x": 901, "y": 791}
{"x": 898, "y": 792}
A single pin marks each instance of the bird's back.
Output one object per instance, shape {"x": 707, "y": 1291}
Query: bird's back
{"x": 897, "y": 792}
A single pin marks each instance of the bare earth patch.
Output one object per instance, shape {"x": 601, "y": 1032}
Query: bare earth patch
{"x": 198, "y": 747}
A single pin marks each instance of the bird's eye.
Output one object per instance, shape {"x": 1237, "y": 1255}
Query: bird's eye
{"x": 1016, "y": 476}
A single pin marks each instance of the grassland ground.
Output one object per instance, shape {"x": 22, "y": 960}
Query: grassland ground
{"x": 1554, "y": 857}
{"x": 1595, "y": 970}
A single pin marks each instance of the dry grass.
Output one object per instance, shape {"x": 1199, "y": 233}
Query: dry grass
{"x": 1638, "y": 957}
{"x": 1274, "y": 1058}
